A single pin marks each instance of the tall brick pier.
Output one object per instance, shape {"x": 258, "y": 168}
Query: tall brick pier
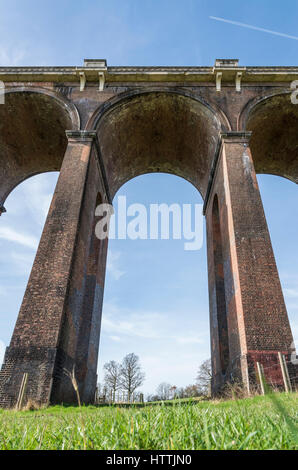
{"x": 101, "y": 126}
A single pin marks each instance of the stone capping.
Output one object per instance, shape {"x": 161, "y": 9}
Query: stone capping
{"x": 234, "y": 137}
{"x": 81, "y": 135}
{"x": 91, "y": 136}
{"x": 102, "y": 63}
{"x": 92, "y": 67}
{"x": 141, "y": 69}
{"x": 226, "y": 63}
{"x": 212, "y": 174}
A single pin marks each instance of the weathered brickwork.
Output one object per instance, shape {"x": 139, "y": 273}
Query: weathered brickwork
{"x": 257, "y": 318}
{"x": 59, "y": 299}
{"x": 101, "y": 126}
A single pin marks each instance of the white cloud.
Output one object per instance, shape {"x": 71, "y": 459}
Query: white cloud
{"x": 38, "y": 195}
{"x": 12, "y": 55}
{"x": 115, "y": 338}
{"x": 188, "y": 340}
{"x": 113, "y": 265}
{"x": 135, "y": 325}
{"x": 138, "y": 323}
{"x": 170, "y": 349}
{"x": 291, "y": 307}
{"x": 11, "y": 235}
{"x": 22, "y": 262}
{"x": 164, "y": 355}
{"x": 293, "y": 293}
{"x": 7, "y": 291}
{"x": 146, "y": 324}
{"x": 177, "y": 369}
{"x": 35, "y": 195}
{"x": 3, "y": 291}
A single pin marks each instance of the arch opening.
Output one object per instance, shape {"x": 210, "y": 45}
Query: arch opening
{"x": 158, "y": 132}
{"x": 274, "y": 142}
{"x": 32, "y": 136}
{"x": 20, "y": 232}
{"x": 156, "y": 294}
{"x": 280, "y": 201}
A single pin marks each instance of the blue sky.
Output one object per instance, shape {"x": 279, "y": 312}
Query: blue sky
{"x": 156, "y": 299}
{"x": 147, "y": 32}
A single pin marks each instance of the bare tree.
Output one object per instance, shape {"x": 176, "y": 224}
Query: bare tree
{"x": 173, "y": 391}
{"x": 180, "y": 392}
{"x": 192, "y": 391}
{"x": 164, "y": 391}
{"x": 204, "y": 377}
{"x": 131, "y": 374}
{"x": 112, "y": 377}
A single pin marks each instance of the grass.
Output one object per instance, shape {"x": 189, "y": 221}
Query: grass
{"x": 154, "y": 403}
{"x": 254, "y": 423}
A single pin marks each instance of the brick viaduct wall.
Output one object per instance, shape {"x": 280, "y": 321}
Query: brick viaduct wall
{"x": 100, "y": 126}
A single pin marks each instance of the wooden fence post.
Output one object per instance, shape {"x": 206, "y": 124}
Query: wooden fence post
{"x": 96, "y": 396}
{"x": 285, "y": 372}
{"x": 50, "y": 391}
{"x": 261, "y": 377}
{"x": 22, "y": 392}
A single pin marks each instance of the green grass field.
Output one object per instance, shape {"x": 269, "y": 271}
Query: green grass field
{"x": 255, "y": 423}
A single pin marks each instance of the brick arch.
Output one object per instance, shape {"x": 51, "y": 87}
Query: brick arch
{"x": 168, "y": 128}
{"x": 32, "y": 134}
{"x": 273, "y": 121}
{"x": 93, "y": 121}
{"x": 252, "y": 103}
{"x": 157, "y": 131}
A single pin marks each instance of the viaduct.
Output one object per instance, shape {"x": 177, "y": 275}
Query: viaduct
{"x": 100, "y": 126}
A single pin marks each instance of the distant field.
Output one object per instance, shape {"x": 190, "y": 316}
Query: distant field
{"x": 255, "y": 423}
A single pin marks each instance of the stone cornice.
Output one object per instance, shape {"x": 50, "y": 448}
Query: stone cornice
{"x": 148, "y": 73}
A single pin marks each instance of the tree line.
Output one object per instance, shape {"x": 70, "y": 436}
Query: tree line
{"x": 201, "y": 387}
{"x": 126, "y": 377}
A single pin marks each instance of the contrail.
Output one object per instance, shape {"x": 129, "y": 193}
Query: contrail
{"x": 244, "y": 25}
